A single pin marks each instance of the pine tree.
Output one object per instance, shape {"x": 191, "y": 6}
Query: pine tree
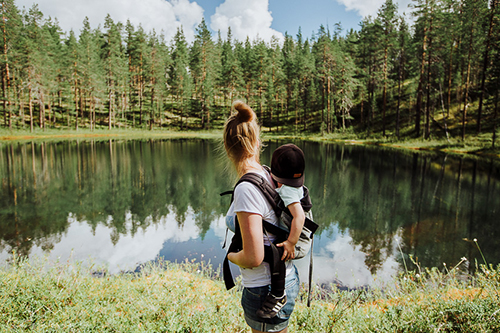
{"x": 114, "y": 65}
{"x": 179, "y": 81}
{"x": 73, "y": 67}
{"x": 202, "y": 70}
{"x": 290, "y": 72}
{"x": 9, "y": 32}
{"x": 159, "y": 63}
{"x": 403, "y": 40}
{"x": 388, "y": 17}
{"x": 261, "y": 74}
{"x": 92, "y": 75}
{"x": 33, "y": 59}
{"x": 305, "y": 74}
{"x": 275, "y": 86}
{"x": 494, "y": 4}
{"x": 231, "y": 73}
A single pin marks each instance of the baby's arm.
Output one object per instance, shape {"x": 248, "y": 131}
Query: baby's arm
{"x": 298, "y": 219}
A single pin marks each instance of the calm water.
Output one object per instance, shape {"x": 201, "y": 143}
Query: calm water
{"x": 122, "y": 203}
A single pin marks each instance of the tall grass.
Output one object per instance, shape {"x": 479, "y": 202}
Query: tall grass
{"x": 187, "y": 298}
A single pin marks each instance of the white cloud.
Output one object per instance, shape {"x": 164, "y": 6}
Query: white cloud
{"x": 371, "y": 7}
{"x": 344, "y": 262}
{"x": 160, "y": 15}
{"x": 250, "y": 18}
{"x": 80, "y": 243}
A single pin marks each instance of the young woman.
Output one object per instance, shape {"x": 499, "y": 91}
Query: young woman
{"x": 250, "y": 207}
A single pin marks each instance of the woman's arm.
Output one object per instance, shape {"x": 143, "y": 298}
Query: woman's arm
{"x": 252, "y": 254}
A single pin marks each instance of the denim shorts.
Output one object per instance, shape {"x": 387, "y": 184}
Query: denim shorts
{"x": 252, "y": 300}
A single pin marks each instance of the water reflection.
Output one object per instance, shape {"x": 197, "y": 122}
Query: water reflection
{"x": 122, "y": 203}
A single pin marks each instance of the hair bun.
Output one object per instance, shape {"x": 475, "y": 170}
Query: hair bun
{"x": 245, "y": 113}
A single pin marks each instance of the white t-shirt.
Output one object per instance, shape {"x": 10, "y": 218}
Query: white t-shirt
{"x": 249, "y": 199}
{"x": 290, "y": 194}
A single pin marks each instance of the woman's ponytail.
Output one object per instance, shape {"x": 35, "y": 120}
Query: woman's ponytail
{"x": 242, "y": 134}
{"x": 244, "y": 112}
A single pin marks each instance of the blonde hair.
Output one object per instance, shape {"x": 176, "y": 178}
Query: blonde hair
{"x": 242, "y": 135}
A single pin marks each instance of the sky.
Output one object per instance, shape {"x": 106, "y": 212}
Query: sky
{"x": 253, "y": 18}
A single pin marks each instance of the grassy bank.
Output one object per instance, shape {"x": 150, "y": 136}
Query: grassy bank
{"x": 183, "y": 298}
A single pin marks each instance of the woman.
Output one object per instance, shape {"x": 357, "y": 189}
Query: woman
{"x": 242, "y": 144}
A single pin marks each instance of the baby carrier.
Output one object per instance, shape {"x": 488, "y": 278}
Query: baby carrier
{"x": 281, "y": 231}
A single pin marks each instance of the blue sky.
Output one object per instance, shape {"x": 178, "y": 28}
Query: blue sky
{"x": 289, "y": 15}
{"x": 253, "y": 18}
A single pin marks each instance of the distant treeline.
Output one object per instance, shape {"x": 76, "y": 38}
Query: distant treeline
{"x": 391, "y": 76}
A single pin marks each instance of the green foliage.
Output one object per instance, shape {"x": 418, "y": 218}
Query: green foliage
{"x": 433, "y": 77}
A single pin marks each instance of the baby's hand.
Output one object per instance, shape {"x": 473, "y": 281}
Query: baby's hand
{"x": 288, "y": 250}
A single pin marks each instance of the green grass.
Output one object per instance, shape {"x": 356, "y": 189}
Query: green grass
{"x": 473, "y": 145}
{"x": 187, "y": 298}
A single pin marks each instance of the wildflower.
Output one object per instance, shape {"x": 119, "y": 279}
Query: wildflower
{"x": 475, "y": 240}
{"x": 417, "y": 276}
{"x": 464, "y": 259}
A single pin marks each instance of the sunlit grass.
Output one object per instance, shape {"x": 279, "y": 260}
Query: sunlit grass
{"x": 105, "y": 134}
{"x": 189, "y": 297}
{"x": 473, "y": 144}
{"x": 162, "y": 298}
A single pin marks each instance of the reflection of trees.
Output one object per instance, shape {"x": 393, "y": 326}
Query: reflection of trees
{"x": 125, "y": 186}
{"x": 371, "y": 193}
{"x": 374, "y": 193}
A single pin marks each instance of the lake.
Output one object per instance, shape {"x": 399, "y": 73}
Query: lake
{"x": 118, "y": 204}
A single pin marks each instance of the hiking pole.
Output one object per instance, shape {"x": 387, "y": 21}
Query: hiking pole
{"x": 310, "y": 274}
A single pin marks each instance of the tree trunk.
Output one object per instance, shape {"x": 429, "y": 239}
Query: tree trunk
{"x": 428, "y": 106}
{"x": 30, "y": 103}
{"x": 6, "y": 74}
{"x": 485, "y": 67}
{"x": 398, "y": 112}
{"x": 384, "y": 91}
{"x": 466, "y": 98}
{"x": 450, "y": 70}
{"x": 41, "y": 104}
{"x": 110, "y": 108}
{"x": 418, "y": 106}
{"x": 328, "y": 106}
{"x": 495, "y": 120}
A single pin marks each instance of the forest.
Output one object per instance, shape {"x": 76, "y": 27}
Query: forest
{"x": 436, "y": 74}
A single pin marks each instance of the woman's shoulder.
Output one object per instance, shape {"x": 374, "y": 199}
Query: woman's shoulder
{"x": 248, "y": 195}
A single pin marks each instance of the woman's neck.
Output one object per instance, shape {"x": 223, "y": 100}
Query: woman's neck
{"x": 250, "y": 165}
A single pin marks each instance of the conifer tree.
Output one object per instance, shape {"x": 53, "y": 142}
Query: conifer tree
{"x": 158, "y": 70}
{"x": 401, "y": 58}
{"x": 493, "y": 12}
{"x": 179, "y": 81}
{"x": 290, "y": 72}
{"x": 275, "y": 86}
{"x": 9, "y": 33}
{"x": 91, "y": 71}
{"x": 261, "y": 74}
{"x": 388, "y": 17}
{"x": 73, "y": 71}
{"x": 202, "y": 70}
{"x": 231, "y": 73}
{"x": 34, "y": 60}
{"x": 113, "y": 61}
{"x": 304, "y": 64}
